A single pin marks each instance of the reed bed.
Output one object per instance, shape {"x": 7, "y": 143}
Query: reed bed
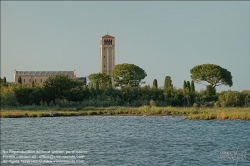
{"x": 222, "y": 114}
{"x": 198, "y": 113}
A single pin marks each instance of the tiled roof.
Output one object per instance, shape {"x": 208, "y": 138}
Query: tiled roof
{"x": 44, "y": 73}
{"x": 108, "y": 36}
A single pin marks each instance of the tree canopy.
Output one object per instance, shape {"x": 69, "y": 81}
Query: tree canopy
{"x": 188, "y": 86}
{"x": 155, "y": 84}
{"x": 102, "y": 80}
{"x": 211, "y": 73}
{"x": 192, "y": 86}
{"x": 168, "y": 83}
{"x": 128, "y": 74}
{"x": 59, "y": 86}
{"x": 184, "y": 84}
{"x": 19, "y": 80}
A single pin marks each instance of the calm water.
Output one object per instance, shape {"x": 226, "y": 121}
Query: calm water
{"x": 117, "y": 140}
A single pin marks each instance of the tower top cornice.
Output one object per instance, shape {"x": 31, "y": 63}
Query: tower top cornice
{"x": 107, "y": 36}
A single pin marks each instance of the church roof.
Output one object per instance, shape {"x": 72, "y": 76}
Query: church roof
{"x": 108, "y": 36}
{"x": 44, "y": 73}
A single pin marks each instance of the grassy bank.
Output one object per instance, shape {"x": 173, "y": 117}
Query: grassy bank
{"x": 185, "y": 112}
{"x": 221, "y": 114}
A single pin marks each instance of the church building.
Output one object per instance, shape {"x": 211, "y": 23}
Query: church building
{"x": 39, "y": 77}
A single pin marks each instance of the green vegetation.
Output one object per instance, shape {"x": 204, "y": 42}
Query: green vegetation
{"x": 99, "y": 80}
{"x": 168, "y": 83}
{"x": 66, "y": 92}
{"x": 184, "y": 84}
{"x": 185, "y": 112}
{"x": 155, "y": 84}
{"x": 221, "y": 114}
{"x": 192, "y": 86}
{"x": 4, "y": 81}
{"x": 211, "y": 73}
{"x": 19, "y": 80}
{"x": 62, "y": 92}
{"x": 188, "y": 86}
{"x": 60, "y": 87}
{"x": 128, "y": 74}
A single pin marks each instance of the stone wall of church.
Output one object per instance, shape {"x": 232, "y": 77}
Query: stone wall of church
{"x": 27, "y": 80}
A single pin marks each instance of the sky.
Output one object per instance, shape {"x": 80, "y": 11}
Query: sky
{"x": 165, "y": 38}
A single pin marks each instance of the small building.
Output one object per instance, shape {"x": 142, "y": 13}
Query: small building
{"x": 39, "y": 77}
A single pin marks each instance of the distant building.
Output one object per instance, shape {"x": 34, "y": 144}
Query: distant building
{"x": 39, "y": 77}
{"x": 107, "y": 54}
{"x": 82, "y": 79}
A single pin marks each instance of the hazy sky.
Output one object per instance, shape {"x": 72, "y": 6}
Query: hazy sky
{"x": 164, "y": 38}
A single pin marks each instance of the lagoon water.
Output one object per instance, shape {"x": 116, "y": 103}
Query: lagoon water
{"x": 124, "y": 140}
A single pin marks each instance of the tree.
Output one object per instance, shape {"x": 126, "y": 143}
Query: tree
{"x": 59, "y": 86}
{"x": 102, "y": 80}
{"x": 19, "y": 80}
{"x": 211, "y": 73}
{"x": 128, "y": 74}
{"x": 168, "y": 83}
{"x": 184, "y": 85}
{"x": 4, "y": 80}
{"x": 33, "y": 84}
{"x": 155, "y": 84}
{"x": 7, "y": 96}
{"x": 188, "y": 86}
{"x": 231, "y": 99}
{"x": 210, "y": 91}
{"x": 23, "y": 94}
{"x": 192, "y": 86}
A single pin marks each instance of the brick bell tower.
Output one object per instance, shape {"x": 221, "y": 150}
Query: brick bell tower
{"x": 107, "y": 54}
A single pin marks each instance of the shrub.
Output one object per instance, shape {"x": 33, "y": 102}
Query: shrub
{"x": 8, "y": 96}
{"x": 195, "y": 105}
{"x": 144, "y": 109}
{"x": 231, "y": 99}
{"x": 217, "y": 104}
{"x": 152, "y": 103}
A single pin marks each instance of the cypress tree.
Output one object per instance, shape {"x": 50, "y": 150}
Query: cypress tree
{"x": 4, "y": 80}
{"x": 184, "y": 85}
{"x": 192, "y": 86}
{"x": 167, "y": 83}
{"x": 19, "y": 80}
{"x": 33, "y": 83}
{"x": 155, "y": 84}
{"x": 188, "y": 85}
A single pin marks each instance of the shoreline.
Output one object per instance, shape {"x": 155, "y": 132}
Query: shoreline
{"x": 196, "y": 113}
